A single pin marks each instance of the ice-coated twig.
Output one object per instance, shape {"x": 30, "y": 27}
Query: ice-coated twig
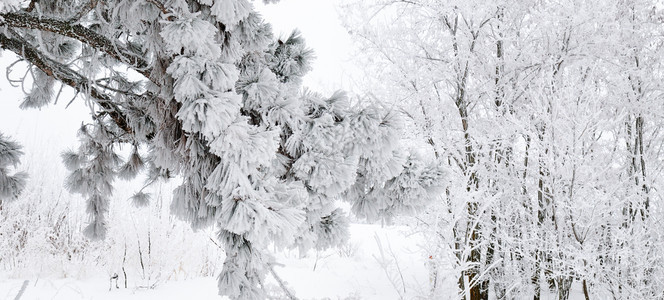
{"x": 23, "y": 287}
{"x": 281, "y": 283}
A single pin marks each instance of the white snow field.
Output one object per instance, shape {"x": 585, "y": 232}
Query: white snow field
{"x": 358, "y": 271}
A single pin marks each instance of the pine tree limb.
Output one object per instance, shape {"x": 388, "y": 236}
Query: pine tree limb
{"x": 80, "y": 33}
{"x": 67, "y": 76}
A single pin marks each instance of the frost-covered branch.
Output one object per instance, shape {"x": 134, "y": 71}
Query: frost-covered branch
{"x": 11, "y": 186}
{"x": 78, "y": 32}
{"x": 61, "y": 72}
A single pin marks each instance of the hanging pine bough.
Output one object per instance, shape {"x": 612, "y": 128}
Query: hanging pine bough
{"x": 219, "y": 104}
{"x": 11, "y": 186}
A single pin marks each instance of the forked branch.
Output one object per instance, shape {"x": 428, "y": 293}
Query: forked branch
{"x": 52, "y": 68}
{"x": 80, "y": 33}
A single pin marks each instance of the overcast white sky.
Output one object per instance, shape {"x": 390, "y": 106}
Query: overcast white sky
{"x": 50, "y": 131}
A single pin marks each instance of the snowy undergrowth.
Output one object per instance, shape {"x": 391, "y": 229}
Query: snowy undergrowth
{"x": 41, "y": 232}
{"x": 356, "y": 272}
{"x": 41, "y": 236}
{"x": 353, "y": 272}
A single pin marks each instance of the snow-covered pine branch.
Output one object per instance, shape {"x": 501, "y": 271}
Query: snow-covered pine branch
{"x": 11, "y": 185}
{"x": 216, "y": 101}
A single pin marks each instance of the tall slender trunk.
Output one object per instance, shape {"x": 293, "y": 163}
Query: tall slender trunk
{"x": 501, "y": 159}
{"x": 585, "y": 290}
{"x": 473, "y": 227}
{"x": 564, "y": 284}
{"x": 542, "y": 203}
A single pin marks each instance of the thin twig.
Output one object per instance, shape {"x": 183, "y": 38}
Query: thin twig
{"x": 281, "y": 283}
{"x": 20, "y": 292}
{"x": 162, "y": 8}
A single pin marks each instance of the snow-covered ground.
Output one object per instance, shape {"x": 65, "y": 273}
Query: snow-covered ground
{"x": 358, "y": 271}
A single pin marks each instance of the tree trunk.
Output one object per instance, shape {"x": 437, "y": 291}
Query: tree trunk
{"x": 501, "y": 158}
{"x": 564, "y": 285}
{"x": 585, "y": 290}
{"x": 543, "y": 202}
{"x": 536, "y": 276}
